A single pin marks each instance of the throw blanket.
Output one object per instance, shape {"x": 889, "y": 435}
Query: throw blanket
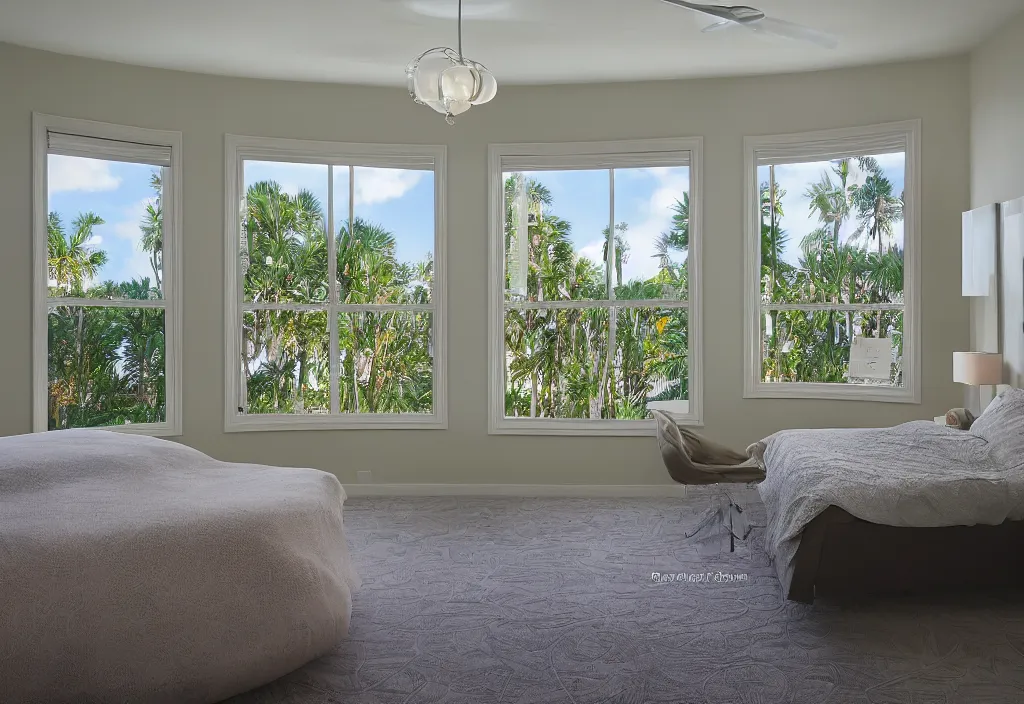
{"x": 917, "y": 474}
{"x": 139, "y": 570}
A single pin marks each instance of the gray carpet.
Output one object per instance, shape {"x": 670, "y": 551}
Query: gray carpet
{"x": 551, "y": 600}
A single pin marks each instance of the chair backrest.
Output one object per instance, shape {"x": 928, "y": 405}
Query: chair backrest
{"x": 719, "y": 466}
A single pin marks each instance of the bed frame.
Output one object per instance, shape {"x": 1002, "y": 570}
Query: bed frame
{"x": 840, "y": 555}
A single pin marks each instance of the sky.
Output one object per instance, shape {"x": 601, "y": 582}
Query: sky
{"x": 643, "y": 199}
{"x": 400, "y": 200}
{"x": 798, "y": 221}
{"x": 116, "y": 191}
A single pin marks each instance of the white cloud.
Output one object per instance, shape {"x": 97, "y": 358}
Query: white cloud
{"x": 374, "y": 186}
{"x": 128, "y": 227}
{"x": 892, "y": 161}
{"x": 136, "y": 264}
{"x": 94, "y": 241}
{"x": 594, "y": 251}
{"x": 641, "y": 237}
{"x": 72, "y": 173}
{"x": 798, "y": 221}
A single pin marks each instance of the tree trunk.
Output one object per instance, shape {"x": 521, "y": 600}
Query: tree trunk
{"x": 156, "y": 273}
{"x": 355, "y": 384}
{"x": 605, "y": 371}
{"x": 82, "y": 385}
{"x": 533, "y": 394}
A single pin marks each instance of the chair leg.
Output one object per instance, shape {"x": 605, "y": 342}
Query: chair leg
{"x": 712, "y": 514}
{"x": 729, "y": 515}
{"x": 740, "y": 526}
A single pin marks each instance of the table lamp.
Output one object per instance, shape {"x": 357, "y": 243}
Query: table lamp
{"x": 978, "y": 368}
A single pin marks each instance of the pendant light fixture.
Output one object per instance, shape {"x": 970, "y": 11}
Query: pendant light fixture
{"x": 445, "y": 80}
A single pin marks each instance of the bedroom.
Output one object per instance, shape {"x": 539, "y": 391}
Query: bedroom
{"x": 526, "y": 546}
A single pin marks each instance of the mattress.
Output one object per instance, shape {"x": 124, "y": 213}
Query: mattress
{"x": 140, "y": 570}
{"x": 918, "y": 474}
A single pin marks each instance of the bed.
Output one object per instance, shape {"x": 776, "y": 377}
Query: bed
{"x": 136, "y": 569}
{"x": 910, "y": 508}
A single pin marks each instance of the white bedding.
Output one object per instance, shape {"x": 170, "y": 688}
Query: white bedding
{"x": 139, "y": 570}
{"x": 918, "y": 474}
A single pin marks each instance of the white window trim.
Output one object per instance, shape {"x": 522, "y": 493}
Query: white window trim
{"x": 42, "y": 125}
{"x": 237, "y": 150}
{"x": 822, "y": 146}
{"x": 568, "y": 155}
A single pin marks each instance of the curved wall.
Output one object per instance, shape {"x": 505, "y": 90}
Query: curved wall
{"x": 997, "y": 160}
{"x": 723, "y": 111}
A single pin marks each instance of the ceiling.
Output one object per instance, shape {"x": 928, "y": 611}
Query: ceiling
{"x": 521, "y": 41}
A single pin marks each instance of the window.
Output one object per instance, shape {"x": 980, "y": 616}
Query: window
{"x": 107, "y": 325}
{"x": 595, "y": 284}
{"x": 335, "y": 285}
{"x": 832, "y": 262}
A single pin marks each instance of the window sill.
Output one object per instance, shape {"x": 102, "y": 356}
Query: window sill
{"x": 271, "y": 423}
{"x": 588, "y": 428}
{"x": 832, "y": 392}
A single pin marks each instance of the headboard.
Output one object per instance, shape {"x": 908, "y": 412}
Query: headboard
{"x": 1011, "y": 292}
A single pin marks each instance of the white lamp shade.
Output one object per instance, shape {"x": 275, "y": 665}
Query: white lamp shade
{"x": 978, "y": 368}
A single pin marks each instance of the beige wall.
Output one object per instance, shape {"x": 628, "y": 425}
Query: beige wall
{"x": 997, "y": 154}
{"x": 203, "y": 108}
{"x": 997, "y": 117}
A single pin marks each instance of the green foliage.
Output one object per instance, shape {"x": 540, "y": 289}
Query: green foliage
{"x": 106, "y": 365}
{"x": 561, "y": 362}
{"x": 814, "y": 346}
{"x": 385, "y": 360}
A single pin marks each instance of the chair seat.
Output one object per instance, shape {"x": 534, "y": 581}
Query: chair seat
{"x": 693, "y": 459}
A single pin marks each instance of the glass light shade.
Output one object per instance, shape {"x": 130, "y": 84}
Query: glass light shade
{"x": 459, "y": 83}
{"x": 424, "y": 78}
{"x": 488, "y": 87}
{"x": 449, "y": 83}
{"x": 457, "y": 107}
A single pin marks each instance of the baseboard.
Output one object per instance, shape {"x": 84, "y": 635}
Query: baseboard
{"x": 530, "y": 490}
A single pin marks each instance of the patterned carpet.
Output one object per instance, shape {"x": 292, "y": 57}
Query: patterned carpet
{"x": 538, "y": 601}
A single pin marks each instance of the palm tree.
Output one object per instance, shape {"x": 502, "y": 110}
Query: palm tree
{"x": 621, "y": 249}
{"x": 833, "y": 201}
{"x": 152, "y": 228}
{"x": 677, "y": 239}
{"x": 287, "y": 253}
{"x": 71, "y": 258}
{"x": 878, "y": 209}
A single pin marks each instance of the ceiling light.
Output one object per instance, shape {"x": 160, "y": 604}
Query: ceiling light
{"x": 448, "y": 82}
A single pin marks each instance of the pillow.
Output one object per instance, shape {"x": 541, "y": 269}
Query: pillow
{"x": 1002, "y": 422}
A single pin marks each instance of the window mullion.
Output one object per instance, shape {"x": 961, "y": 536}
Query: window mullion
{"x": 241, "y": 271}
{"x": 332, "y": 293}
{"x": 351, "y": 236}
{"x": 610, "y": 264}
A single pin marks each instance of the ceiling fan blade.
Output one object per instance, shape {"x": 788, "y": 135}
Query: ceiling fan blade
{"x": 719, "y": 26}
{"x": 737, "y": 13}
{"x": 791, "y": 30}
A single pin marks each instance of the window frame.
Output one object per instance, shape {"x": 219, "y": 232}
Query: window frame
{"x": 642, "y": 153}
{"x": 240, "y": 148}
{"x": 826, "y": 145}
{"x": 171, "y": 303}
